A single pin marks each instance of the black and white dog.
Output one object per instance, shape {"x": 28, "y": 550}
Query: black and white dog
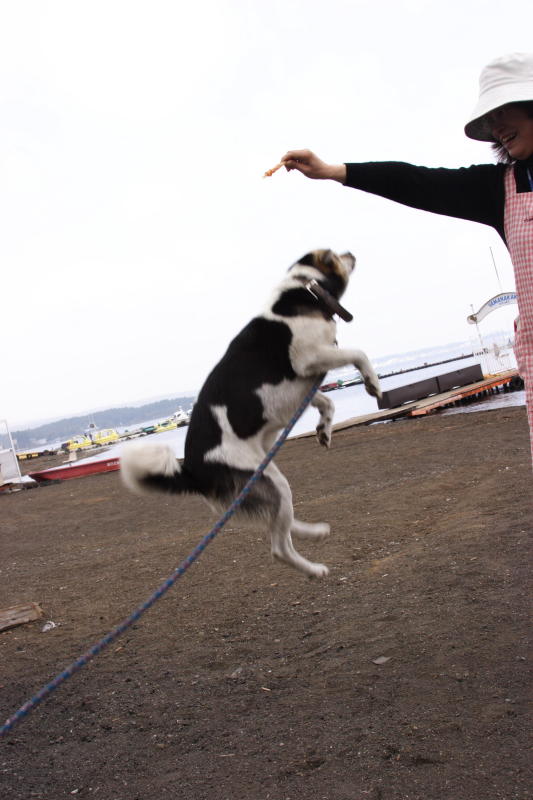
{"x": 251, "y": 395}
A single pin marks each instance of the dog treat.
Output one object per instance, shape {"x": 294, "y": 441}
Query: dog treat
{"x": 270, "y": 172}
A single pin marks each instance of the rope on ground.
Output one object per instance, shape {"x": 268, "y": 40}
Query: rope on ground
{"x": 165, "y": 586}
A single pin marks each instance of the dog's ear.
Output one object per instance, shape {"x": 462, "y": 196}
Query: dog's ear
{"x": 308, "y": 260}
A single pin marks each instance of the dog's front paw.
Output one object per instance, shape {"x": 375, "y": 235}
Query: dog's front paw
{"x": 323, "y": 435}
{"x": 372, "y": 386}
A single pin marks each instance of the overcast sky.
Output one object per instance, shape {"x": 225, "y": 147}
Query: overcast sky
{"x": 137, "y": 235}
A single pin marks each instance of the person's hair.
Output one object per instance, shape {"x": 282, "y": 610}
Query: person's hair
{"x": 502, "y": 156}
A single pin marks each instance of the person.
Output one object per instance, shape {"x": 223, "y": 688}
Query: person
{"x": 496, "y": 194}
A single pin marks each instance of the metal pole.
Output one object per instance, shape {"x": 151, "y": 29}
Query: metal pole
{"x": 12, "y": 446}
{"x": 477, "y": 329}
{"x": 496, "y": 270}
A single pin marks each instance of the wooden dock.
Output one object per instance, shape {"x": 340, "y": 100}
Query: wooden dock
{"x": 435, "y": 402}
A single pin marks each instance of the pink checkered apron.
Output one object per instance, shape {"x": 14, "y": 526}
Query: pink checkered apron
{"x": 518, "y": 223}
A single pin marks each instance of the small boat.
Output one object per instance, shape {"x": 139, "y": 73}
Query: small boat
{"x": 166, "y": 425}
{"x": 177, "y": 420}
{"x": 80, "y": 470}
{"x": 329, "y": 387}
{"x": 181, "y": 417}
{"x": 91, "y": 438}
{"x": 28, "y": 454}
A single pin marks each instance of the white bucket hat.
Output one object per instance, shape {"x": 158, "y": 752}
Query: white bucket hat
{"x": 508, "y": 79}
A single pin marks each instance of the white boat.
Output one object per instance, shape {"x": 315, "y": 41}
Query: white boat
{"x": 180, "y": 417}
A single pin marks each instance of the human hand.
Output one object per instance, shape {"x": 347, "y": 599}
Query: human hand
{"x": 312, "y": 166}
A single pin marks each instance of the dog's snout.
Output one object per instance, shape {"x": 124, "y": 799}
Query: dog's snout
{"x": 349, "y": 260}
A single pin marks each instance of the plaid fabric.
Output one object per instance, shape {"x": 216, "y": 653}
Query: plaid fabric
{"x": 518, "y": 220}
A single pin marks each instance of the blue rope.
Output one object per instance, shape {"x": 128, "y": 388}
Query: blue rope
{"x": 159, "y": 592}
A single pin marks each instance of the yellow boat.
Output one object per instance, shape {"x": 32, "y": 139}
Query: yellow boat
{"x": 166, "y": 425}
{"x": 91, "y": 439}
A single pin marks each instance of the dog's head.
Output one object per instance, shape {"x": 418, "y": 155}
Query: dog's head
{"x": 334, "y": 270}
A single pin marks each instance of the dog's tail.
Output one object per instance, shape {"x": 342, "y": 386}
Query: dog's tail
{"x": 147, "y": 467}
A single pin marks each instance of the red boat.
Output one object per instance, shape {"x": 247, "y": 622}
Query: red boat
{"x": 80, "y": 470}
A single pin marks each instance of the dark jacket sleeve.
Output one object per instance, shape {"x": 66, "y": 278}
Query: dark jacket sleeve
{"x": 475, "y": 193}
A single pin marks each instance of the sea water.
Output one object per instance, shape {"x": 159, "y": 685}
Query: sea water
{"x": 353, "y": 401}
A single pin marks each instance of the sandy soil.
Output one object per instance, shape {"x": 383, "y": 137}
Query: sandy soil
{"x": 248, "y": 680}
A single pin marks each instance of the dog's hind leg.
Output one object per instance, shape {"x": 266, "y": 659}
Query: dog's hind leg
{"x": 281, "y": 526}
{"x": 310, "y": 530}
{"x": 326, "y": 410}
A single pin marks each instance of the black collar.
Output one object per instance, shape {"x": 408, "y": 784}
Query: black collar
{"x": 326, "y": 299}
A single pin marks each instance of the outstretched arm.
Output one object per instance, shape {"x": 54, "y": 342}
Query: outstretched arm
{"x": 474, "y": 193}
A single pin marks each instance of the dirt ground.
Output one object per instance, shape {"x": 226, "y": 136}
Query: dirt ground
{"x": 249, "y": 681}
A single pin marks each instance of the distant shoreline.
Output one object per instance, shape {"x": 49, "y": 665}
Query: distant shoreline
{"x": 424, "y": 366}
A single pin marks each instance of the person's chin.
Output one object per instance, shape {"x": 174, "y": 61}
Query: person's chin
{"x": 516, "y": 153}
{"x": 519, "y": 152}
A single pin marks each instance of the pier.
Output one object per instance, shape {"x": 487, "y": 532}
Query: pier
{"x": 490, "y": 384}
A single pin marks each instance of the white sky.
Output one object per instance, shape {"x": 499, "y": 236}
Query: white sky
{"x": 136, "y": 233}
